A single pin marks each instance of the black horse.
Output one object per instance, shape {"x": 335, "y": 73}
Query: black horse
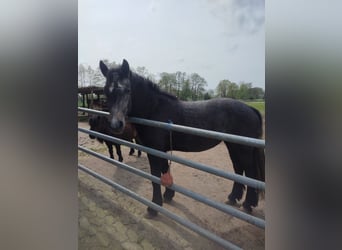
{"x": 101, "y": 124}
{"x": 129, "y": 94}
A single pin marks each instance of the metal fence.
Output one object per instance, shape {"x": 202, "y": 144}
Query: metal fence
{"x": 200, "y": 132}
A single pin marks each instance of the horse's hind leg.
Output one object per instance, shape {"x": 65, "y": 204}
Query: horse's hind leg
{"x": 131, "y": 152}
{"x": 256, "y": 170}
{"x": 252, "y": 196}
{"x": 238, "y": 188}
{"x": 242, "y": 158}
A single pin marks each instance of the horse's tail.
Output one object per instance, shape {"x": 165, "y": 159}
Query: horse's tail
{"x": 259, "y": 159}
{"x": 260, "y": 131}
{"x": 259, "y": 155}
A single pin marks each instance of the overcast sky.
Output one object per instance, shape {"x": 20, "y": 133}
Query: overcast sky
{"x": 218, "y": 39}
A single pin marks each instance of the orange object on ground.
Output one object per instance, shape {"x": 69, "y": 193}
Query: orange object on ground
{"x": 166, "y": 179}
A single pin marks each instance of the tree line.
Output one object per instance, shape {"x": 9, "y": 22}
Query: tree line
{"x": 184, "y": 86}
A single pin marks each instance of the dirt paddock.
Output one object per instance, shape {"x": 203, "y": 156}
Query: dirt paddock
{"x": 109, "y": 219}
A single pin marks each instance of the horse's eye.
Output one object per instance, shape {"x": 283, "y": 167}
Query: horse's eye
{"x": 127, "y": 91}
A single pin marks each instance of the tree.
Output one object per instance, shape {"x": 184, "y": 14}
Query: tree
{"x": 180, "y": 78}
{"x": 257, "y": 93}
{"x": 90, "y": 73}
{"x": 197, "y": 84}
{"x": 97, "y": 77}
{"x": 167, "y": 82}
{"x": 222, "y": 88}
{"x": 81, "y": 75}
{"x": 244, "y": 90}
{"x": 185, "y": 93}
{"x": 151, "y": 77}
{"x": 233, "y": 90}
{"x": 209, "y": 94}
{"x": 141, "y": 70}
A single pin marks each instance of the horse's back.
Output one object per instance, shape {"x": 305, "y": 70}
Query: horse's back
{"x": 223, "y": 115}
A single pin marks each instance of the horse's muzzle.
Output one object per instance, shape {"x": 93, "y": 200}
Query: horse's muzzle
{"x": 117, "y": 125}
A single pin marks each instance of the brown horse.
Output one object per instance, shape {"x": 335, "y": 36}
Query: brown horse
{"x": 101, "y": 124}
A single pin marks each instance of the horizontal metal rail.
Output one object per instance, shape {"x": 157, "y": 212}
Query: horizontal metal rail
{"x": 190, "y": 130}
{"x": 162, "y": 210}
{"x": 201, "y": 132}
{"x": 222, "y": 207}
{"x": 231, "y": 176}
{"x": 93, "y": 111}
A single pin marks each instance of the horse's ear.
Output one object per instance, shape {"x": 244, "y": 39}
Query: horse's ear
{"x": 103, "y": 68}
{"x": 125, "y": 68}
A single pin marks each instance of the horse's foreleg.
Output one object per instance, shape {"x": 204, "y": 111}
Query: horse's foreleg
{"x": 110, "y": 149}
{"x": 137, "y": 141}
{"x": 118, "y": 151}
{"x": 158, "y": 166}
{"x": 157, "y": 196}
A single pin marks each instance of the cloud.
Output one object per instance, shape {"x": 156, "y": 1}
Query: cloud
{"x": 233, "y": 48}
{"x": 154, "y": 5}
{"x": 239, "y": 16}
{"x": 249, "y": 14}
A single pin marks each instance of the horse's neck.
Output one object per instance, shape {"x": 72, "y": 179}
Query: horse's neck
{"x": 144, "y": 100}
{"x": 142, "y": 103}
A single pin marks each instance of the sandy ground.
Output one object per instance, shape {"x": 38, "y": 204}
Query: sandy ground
{"x": 232, "y": 229}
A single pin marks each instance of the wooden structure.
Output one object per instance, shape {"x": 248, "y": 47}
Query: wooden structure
{"x": 92, "y": 97}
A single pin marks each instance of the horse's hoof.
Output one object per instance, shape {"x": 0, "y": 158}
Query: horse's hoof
{"x": 167, "y": 199}
{"x": 168, "y": 195}
{"x": 131, "y": 153}
{"x": 247, "y": 208}
{"x": 121, "y": 159}
{"x": 139, "y": 154}
{"x": 232, "y": 203}
{"x": 151, "y": 213}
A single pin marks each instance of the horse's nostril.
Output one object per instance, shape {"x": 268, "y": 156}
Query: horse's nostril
{"x": 120, "y": 124}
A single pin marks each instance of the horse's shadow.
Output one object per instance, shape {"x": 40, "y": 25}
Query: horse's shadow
{"x": 128, "y": 179}
{"x": 187, "y": 213}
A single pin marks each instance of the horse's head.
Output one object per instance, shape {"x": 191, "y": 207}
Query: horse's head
{"x": 118, "y": 92}
{"x": 99, "y": 124}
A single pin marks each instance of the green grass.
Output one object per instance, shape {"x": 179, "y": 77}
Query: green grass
{"x": 80, "y": 103}
{"x": 258, "y": 105}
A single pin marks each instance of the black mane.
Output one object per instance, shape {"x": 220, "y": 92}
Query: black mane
{"x": 152, "y": 86}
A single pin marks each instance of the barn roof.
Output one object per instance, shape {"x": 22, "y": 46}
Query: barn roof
{"x": 90, "y": 89}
